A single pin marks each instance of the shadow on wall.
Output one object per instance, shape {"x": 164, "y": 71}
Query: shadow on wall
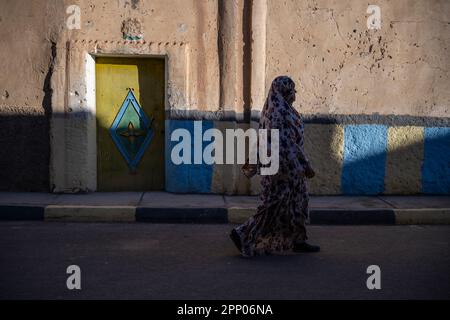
{"x": 25, "y": 156}
{"x": 364, "y": 159}
{"x": 378, "y": 159}
{"x": 349, "y": 159}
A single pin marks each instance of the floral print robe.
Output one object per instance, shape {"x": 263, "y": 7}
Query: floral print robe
{"x": 280, "y": 219}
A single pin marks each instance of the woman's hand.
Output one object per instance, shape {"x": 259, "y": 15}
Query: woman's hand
{"x": 309, "y": 172}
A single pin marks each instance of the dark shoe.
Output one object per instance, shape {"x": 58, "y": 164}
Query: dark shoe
{"x": 305, "y": 247}
{"x": 236, "y": 239}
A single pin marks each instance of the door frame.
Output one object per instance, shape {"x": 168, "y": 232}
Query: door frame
{"x": 73, "y": 128}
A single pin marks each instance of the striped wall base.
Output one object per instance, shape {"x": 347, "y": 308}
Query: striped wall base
{"x": 357, "y": 159}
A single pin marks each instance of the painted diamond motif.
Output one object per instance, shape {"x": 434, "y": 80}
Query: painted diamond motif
{"x": 131, "y": 131}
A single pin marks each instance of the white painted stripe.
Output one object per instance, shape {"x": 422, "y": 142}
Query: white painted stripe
{"x": 422, "y": 216}
{"x": 90, "y": 213}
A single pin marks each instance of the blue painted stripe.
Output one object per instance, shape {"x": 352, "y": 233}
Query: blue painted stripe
{"x": 436, "y": 163}
{"x": 364, "y": 159}
{"x": 187, "y": 178}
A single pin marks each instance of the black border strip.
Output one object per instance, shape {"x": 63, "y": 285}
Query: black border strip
{"x": 352, "y": 217}
{"x": 20, "y": 213}
{"x": 184, "y": 215}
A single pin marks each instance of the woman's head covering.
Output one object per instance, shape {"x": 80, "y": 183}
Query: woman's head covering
{"x": 281, "y": 91}
{"x": 284, "y": 86}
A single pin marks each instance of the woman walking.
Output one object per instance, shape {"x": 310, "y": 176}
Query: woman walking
{"x": 279, "y": 223}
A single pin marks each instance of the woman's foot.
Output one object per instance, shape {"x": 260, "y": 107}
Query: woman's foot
{"x": 236, "y": 239}
{"x": 305, "y": 247}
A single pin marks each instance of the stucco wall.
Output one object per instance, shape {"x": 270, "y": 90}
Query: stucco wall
{"x": 191, "y": 22}
{"x": 28, "y": 39}
{"x": 357, "y": 159}
{"x": 35, "y": 45}
{"x": 376, "y": 102}
{"x": 341, "y": 67}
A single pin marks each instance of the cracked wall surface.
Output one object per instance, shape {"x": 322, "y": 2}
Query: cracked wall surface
{"x": 341, "y": 67}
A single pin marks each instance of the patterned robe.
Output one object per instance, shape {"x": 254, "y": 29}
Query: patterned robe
{"x": 280, "y": 219}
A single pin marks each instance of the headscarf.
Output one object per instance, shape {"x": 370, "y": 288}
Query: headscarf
{"x": 281, "y": 89}
{"x": 279, "y": 114}
{"x": 277, "y": 100}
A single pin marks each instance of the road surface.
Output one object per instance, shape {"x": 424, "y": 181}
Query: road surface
{"x": 187, "y": 261}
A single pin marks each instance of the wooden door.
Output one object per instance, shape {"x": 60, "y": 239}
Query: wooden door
{"x": 130, "y": 123}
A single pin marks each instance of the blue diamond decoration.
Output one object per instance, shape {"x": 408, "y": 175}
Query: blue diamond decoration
{"x": 131, "y": 131}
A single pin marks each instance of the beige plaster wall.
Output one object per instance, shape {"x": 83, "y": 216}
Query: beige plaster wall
{"x": 342, "y": 67}
{"x": 26, "y": 35}
{"x": 29, "y": 27}
{"x": 191, "y": 22}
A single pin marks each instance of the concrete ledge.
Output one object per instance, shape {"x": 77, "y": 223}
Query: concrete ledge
{"x": 240, "y": 215}
{"x": 182, "y": 215}
{"x": 422, "y": 216}
{"x": 234, "y": 215}
{"x": 90, "y": 213}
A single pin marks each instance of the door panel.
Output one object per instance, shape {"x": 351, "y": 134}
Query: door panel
{"x": 130, "y": 124}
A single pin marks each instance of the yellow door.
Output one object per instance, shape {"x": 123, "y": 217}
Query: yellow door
{"x": 130, "y": 124}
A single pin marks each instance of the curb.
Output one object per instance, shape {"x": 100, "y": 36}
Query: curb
{"x": 233, "y": 215}
{"x": 89, "y": 213}
{"x": 352, "y": 217}
{"x": 329, "y": 216}
{"x": 422, "y": 216}
{"x": 19, "y": 213}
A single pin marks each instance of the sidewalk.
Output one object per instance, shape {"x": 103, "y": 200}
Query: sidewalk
{"x": 163, "y": 207}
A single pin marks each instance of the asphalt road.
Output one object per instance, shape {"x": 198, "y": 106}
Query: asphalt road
{"x": 166, "y": 261}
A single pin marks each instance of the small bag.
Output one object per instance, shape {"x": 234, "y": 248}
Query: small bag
{"x": 249, "y": 170}
{"x": 252, "y": 169}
